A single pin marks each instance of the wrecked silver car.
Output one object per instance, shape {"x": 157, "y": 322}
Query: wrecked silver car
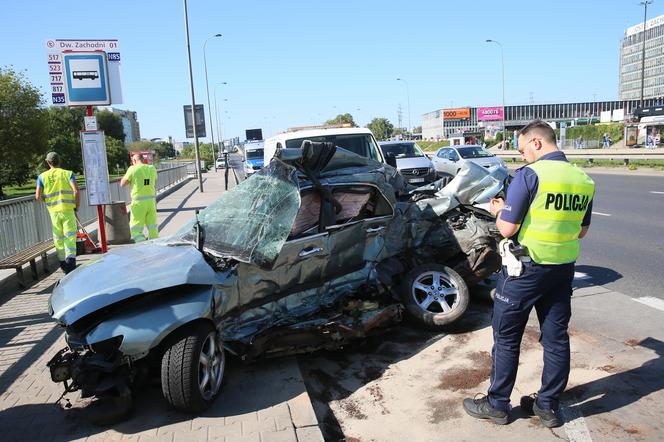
{"x": 319, "y": 248}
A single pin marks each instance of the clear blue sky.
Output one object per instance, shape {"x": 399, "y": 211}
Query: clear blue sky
{"x": 292, "y": 63}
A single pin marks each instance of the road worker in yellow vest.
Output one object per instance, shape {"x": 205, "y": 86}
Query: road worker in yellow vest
{"x": 546, "y": 211}
{"x": 143, "y": 180}
{"x": 57, "y": 188}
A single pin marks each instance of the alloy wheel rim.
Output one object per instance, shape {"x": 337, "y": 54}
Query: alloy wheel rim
{"x": 435, "y": 292}
{"x": 211, "y": 365}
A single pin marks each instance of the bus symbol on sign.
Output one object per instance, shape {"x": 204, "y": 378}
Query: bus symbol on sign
{"x": 81, "y": 75}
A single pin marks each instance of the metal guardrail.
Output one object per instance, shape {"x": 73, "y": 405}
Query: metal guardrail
{"x": 598, "y": 154}
{"x": 25, "y": 221}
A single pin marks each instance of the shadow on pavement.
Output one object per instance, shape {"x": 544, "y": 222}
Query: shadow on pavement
{"x": 595, "y": 276}
{"x": 336, "y": 375}
{"x": 620, "y": 389}
{"x": 246, "y": 389}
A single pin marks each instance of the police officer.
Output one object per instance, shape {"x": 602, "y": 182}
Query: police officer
{"x": 57, "y": 188}
{"x": 547, "y": 209}
{"x": 143, "y": 180}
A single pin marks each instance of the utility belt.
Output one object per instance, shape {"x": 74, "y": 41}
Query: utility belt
{"x": 513, "y": 256}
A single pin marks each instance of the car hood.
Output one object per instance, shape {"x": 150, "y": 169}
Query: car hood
{"x": 124, "y": 273}
{"x": 487, "y": 161}
{"x": 413, "y": 162}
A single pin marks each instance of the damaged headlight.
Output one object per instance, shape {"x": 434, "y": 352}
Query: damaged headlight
{"x": 107, "y": 346}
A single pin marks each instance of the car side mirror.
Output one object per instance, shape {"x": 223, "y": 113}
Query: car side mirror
{"x": 391, "y": 159}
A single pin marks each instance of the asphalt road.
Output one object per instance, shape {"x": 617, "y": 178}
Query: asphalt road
{"x": 624, "y": 250}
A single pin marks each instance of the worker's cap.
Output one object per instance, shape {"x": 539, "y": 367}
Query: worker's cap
{"x": 52, "y": 157}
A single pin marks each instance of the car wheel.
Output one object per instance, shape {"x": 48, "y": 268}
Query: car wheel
{"x": 434, "y": 295}
{"x": 192, "y": 368}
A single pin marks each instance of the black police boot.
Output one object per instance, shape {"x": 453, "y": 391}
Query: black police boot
{"x": 549, "y": 418}
{"x": 480, "y": 408}
{"x": 63, "y": 266}
{"x": 70, "y": 264}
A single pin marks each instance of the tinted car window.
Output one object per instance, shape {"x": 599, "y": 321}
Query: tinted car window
{"x": 361, "y": 144}
{"x": 474, "y": 152}
{"x": 444, "y": 153}
{"x": 402, "y": 150}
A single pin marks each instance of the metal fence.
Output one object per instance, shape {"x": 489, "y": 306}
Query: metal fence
{"x": 25, "y": 221}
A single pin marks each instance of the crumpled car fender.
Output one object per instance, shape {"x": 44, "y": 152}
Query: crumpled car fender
{"x": 145, "y": 328}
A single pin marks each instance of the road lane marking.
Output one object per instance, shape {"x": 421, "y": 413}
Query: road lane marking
{"x": 651, "y": 301}
{"x": 575, "y": 424}
{"x": 601, "y": 214}
{"x": 657, "y": 192}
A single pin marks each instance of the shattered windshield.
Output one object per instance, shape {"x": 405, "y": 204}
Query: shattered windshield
{"x": 251, "y": 222}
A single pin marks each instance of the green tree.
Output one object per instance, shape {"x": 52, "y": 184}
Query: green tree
{"x": 117, "y": 154}
{"x": 381, "y": 128}
{"x": 23, "y": 128}
{"x": 64, "y": 126}
{"x": 188, "y": 151}
{"x": 111, "y": 124}
{"x": 342, "y": 119}
{"x": 165, "y": 150}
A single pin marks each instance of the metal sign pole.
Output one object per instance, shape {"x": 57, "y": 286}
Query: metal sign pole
{"x": 100, "y": 208}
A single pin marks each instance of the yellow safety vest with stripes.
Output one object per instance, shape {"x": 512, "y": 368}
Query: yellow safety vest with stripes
{"x": 143, "y": 179}
{"x": 58, "y": 194}
{"x": 552, "y": 224}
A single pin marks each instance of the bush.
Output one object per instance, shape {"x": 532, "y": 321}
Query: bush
{"x": 595, "y": 132}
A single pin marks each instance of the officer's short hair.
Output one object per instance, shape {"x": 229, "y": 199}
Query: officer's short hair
{"x": 540, "y": 128}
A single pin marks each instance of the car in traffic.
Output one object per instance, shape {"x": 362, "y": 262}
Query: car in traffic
{"x": 411, "y": 161}
{"x": 358, "y": 140}
{"x": 253, "y": 157}
{"x": 319, "y": 248}
{"x": 449, "y": 160}
{"x": 221, "y": 162}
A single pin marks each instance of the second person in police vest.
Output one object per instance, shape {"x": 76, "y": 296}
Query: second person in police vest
{"x": 143, "y": 180}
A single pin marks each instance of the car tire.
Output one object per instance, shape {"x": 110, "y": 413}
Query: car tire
{"x": 434, "y": 305}
{"x": 187, "y": 381}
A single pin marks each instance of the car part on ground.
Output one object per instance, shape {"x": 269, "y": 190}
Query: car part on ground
{"x": 262, "y": 278}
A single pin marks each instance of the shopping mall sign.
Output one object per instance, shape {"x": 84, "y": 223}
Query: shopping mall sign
{"x": 495, "y": 113}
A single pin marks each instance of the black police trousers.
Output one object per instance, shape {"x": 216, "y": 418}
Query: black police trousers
{"x": 548, "y": 288}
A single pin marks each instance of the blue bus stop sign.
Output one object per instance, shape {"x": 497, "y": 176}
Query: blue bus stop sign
{"x": 86, "y": 79}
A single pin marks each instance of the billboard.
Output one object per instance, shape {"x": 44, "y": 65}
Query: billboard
{"x": 462, "y": 113}
{"x": 494, "y": 113}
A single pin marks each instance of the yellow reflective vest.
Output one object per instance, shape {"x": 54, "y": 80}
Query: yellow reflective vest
{"x": 58, "y": 194}
{"x": 552, "y": 224}
{"x": 143, "y": 179}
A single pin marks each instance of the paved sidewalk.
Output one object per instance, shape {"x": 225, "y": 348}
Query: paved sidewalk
{"x": 266, "y": 401}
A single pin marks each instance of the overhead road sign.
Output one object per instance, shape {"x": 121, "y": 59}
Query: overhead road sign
{"x": 86, "y": 79}
{"x": 200, "y": 121}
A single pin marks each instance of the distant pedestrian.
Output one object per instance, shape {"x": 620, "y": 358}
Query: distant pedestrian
{"x": 143, "y": 180}
{"x": 547, "y": 209}
{"x": 579, "y": 142}
{"x": 57, "y": 188}
{"x": 605, "y": 141}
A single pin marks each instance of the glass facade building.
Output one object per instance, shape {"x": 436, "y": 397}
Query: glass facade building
{"x": 631, "y": 51}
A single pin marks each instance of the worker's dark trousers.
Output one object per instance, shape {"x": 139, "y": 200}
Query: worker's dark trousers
{"x": 549, "y": 289}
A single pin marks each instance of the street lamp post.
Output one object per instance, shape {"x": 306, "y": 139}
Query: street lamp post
{"x": 645, "y": 4}
{"x": 408, "y": 98}
{"x": 207, "y": 90}
{"x": 193, "y": 101}
{"x": 216, "y": 113}
{"x": 502, "y": 63}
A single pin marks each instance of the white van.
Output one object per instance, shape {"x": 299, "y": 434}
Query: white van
{"x": 358, "y": 140}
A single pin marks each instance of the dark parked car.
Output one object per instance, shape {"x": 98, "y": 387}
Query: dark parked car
{"x": 319, "y": 248}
